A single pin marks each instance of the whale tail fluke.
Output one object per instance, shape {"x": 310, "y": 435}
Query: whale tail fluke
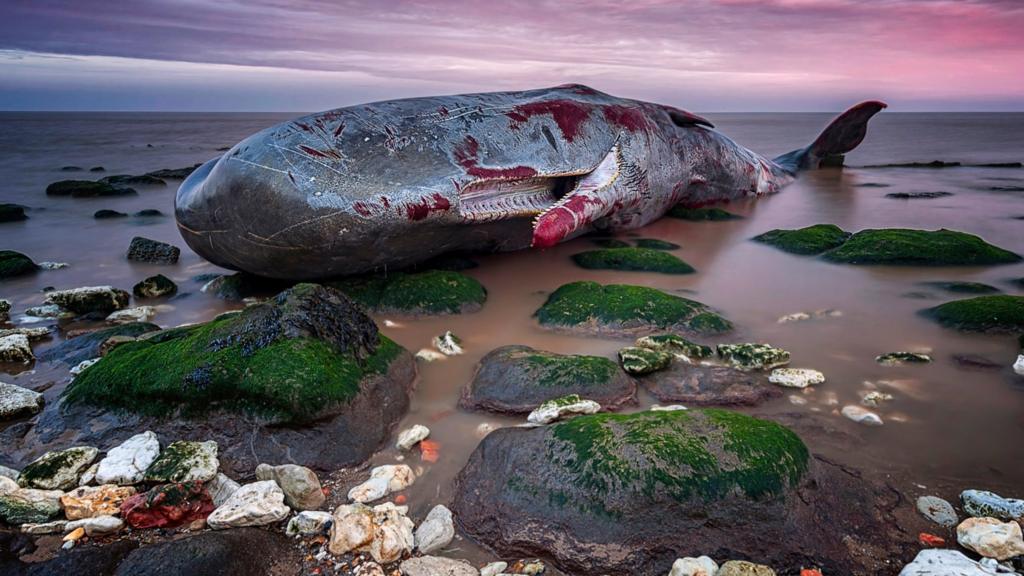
{"x": 842, "y": 135}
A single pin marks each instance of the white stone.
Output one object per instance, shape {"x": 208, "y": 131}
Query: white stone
{"x": 937, "y": 510}
{"x": 943, "y": 563}
{"x": 7, "y": 485}
{"x": 383, "y": 480}
{"x": 448, "y": 344}
{"x": 555, "y": 409}
{"x": 10, "y": 473}
{"x": 46, "y": 311}
{"x": 75, "y": 297}
{"x": 16, "y": 401}
{"x": 874, "y": 398}
{"x": 97, "y": 525}
{"x": 428, "y": 355}
{"x": 794, "y": 317}
{"x": 700, "y": 566}
{"x": 126, "y": 463}
{"x": 796, "y": 377}
{"x": 55, "y": 527}
{"x": 436, "y": 531}
{"x": 991, "y": 538}
{"x": 669, "y": 408}
{"x": 301, "y": 487}
{"x": 1018, "y": 366}
{"x": 30, "y": 333}
{"x": 81, "y": 366}
{"x": 384, "y": 531}
{"x": 308, "y": 523}
{"x": 136, "y": 314}
{"x": 256, "y": 504}
{"x": 437, "y": 566}
{"x": 16, "y": 349}
{"x": 493, "y": 569}
{"x": 861, "y": 415}
{"x": 53, "y": 265}
{"x": 221, "y": 488}
{"x": 411, "y": 437}
{"x": 485, "y": 428}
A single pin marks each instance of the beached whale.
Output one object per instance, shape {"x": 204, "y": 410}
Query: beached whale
{"x": 394, "y": 183}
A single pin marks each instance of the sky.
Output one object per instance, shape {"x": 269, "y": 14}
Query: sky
{"x": 703, "y": 55}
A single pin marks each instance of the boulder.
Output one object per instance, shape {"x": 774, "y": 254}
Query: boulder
{"x": 639, "y": 361}
{"x": 167, "y": 506}
{"x": 436, "y": 531}
{"x": 221, "y": 488}
{"x": 107, "y": 213}
{"x": 744, "y": 568}
{"x": 152, "y": 251}
{"x": 676, "y": 345}
{"x": 941, "y": 562}
{"x": 980, "y": 503}
{"x": 239, "y": 552}
{"x": 16, "y": 401}
{"x": 29, "y": 506}
{"x": 709, "y": 385}
{"x": 899, "y": 358}
{"x": 384, "y": 531}
{"x": 411, "y": 437}
{"x": 437, "y": 566}
{"x": 87, "y": 346}
{"x": 256, "y": 504}
{"x": 1001, "y": 314}
{"x": 518, "y": 379}
{"x": 420, "y": 293}
{"x": 155, "y": 287}
{"x": 100, "y": 299}
{"x": 185, "y": 461}
{"x": 991, "y": 537}
{"x": 633, "y": 260}
{"x": 300, "y": 485}
{"x": 92, "y": 501}
{"x": 86, "y": 189}
{"x": 383, "y": 480}
{"x": 12, "y": 212}
{"x": 14, "y": 264}
{"x": 16, "y": 349}
{"x": 309, "y": 523}
{"x": 559, "y": 408}
{"x": 796, "y": 377}
{"x": 701, "y": 566}
{"x": 126, "y": 463}
{"x": 753, "y": 356}
{"x": 811, "y": 240}
{"x": 58, "y": 470}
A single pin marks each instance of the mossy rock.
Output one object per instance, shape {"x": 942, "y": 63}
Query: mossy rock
{"x": 639, "y": 361}
{"x": 676, "y": 345}
{"x": 622, "y": 308}
{"x": 919, "y": 247}
{"x": 289, "y": 359}
{"x": 610, "y": 243}
{"x": 86, "y": 189}
{"x": 811, "y": 240}
{"x": 29, "y": 507}
{"x": 656, "y": 244}
{"x": 14, "y": 264}
{"x": 58, "y": 470}
{"x": 518, "y": 379}
{"x": 958, "y": 287}
{"x": 155, "y": 287}
{"x": 632, "y": 259}
{"x": 701, "y": 214}
{"x": 749, "y": 356}
{"x": 1001, "y": 313}
{"x": 12, "y": 212}
{"x": 87, "y": 346}
{"x": 419, "y": 293}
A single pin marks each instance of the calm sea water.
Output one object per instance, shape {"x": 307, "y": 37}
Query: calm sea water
{"x": 947, "y": 428}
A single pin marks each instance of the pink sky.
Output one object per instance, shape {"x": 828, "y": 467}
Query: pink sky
{"x": 711, "y": 55}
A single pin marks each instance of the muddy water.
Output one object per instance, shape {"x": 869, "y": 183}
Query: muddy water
{"x": 948, "y": 427}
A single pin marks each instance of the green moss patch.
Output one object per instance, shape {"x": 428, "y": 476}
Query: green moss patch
{"x": 675, "y": 345}
{"x": 632, "y": 259}
{"x": 639, "y": 361}
{"x": 15, "y": 264}
{"x": 919, "y": 247}
{"x": 430, "y": 292}
{"x": 549, "y": 370}
{"x": 815, "y": 239}
{"x": 701, "y": 214}
{"x": 610, "y": 243}
{"x": 656, "y": 244}
{"x": 1001, "y": 313}
{"x": 958, "y": 287}
{"x": 589, "y": 306}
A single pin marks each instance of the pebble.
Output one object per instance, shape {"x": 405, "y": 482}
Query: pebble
{"x": 301, "y": 487}
{"x": 1018, "y": 366}
{"x": 256, "y": 504}
{"x": 383, "y": 480}
{"x": 448, "y": 344}
{"x": 428, "y": 355}
{"x": 96, "y": 526}
{"x": 861, "y": 415}
{"x": 744, "y": 568}
{"x": 15, "y": 349}
{"x": 16, "y": 401}
{"x": 553, "y": 410}
{"x": 81, "y": 366}
{"x": 796, "y": 377}
{"x": 874, "y": 398}
{"x": 982, "y": 503}
{"x": 437, "y": 566}
{"x": 493, "y": 569}
{"x": 700, "y": 566}
{"x": 991, "y": 537}
{"x": 937, "y": 510}
{"x": 436, "y": 531}
{"x": 308, "y": 523}
{"x": 412, "y": 436}
{"x": 75, "y": 535}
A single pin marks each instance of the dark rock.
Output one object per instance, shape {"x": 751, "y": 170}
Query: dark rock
{"x": 632, "y": 259}
{"x": 932, "y": 164}
{"x": 130, "y": 180}
{"x": 237, "y": 552}
{"x": 155, "y": 287}
{"x": 12, "y": 212}
{"x": 87, "y": 346}
{"x": 709, "y": 386}
{"x": 873, "y": 185}
{"x": 610, "y": 243}
{"x": 97, "y": 169}
{"x": 152, "y": 251}
{"x": 518, "y": 379}
{"x": 656, "y": 244}
{"x": 917, "y": 195}
{"x": 173, "y": 173}
{"x": 1000, "y": 313}
{"x": 701, "y": 214}
{"x": 240, "y": 285}
{"x": 1006, "y": 188}
{"x": 958, "y": 287}
{"x": 86, "y": 189}
{"x": 148, "y": 213}
{"x": 88, "y": 560}
{"x": 106, "y": 213}
{"x": 15, "y": 264}
{"x": 976, "y": 362}
{"x": 167, "y": 506}
{"x": 71, "y": 169}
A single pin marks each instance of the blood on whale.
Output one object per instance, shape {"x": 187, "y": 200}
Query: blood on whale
{"x": 425, "y": 206}
{"x": 568, "y": 114}
{"x": 466, "y": 156}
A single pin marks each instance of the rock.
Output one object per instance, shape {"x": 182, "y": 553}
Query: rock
{"x": 126, "y": 464}
{"x": 129, "y": 315}
{"x": 796, "y": 377}
{"x": 616, "y": 309}
{"x": 29, "y": 506}
{"x": 5, "y": 311}
{"x": 958, "y": 287}
{"x": 107, "y": 213}
{"x": 632, "y": 259}
{"x": 167, "y": 506}
{"x": 9, "y": 473}
{"x": 115, "y": 341}
{"x": 980, "y": 503}
{"x": 811, "y": 240}
{"x": 14, "y": 264}
{"x": 88, "y": 346}
{"x": 58, "y": 470}
{"x": 558, "y": 408}
{"x": 47, "y": 311}
{"x": 448, "y": 344}
{"x": 174, "y": 173}
{"x": 701, "y": 214}
{"x": 518, "y": 379}
{"x": 75, "y": 535}
{"x": 991, "y": 538}
{"x": 101, "y": 299}
{"x": 874, "y": 398}
{"x": 30, "y": 333}
{"x": 436, "y": 531}
{"x": 256, "y": 504}
{"x": 130, "y": 180}
{"x": 86, "y": 189}
{"x": 794, "y": 317}
{"x": 753, "y": 356}
{"x": 493, "y": 569}
{"x": 55, "y": 527}
{"x": 300, "y": 485}
{"x": 16, "y": 349}
{"x": 421, "y": 293}
{"x": 155, "y": 287}
{"x": 676, "y": 345}
{"x": 97, "y": 525}
{"x": 1018, "y": 366}
{"x": 917, "y": 195}
{"x": 12, "y": 212}
{"x": 943, "y": 562}
{"x": 639, "y": 361}
{"x": 221, "y": 488}
{"x": 239, "y": 552}
{"x": 412, "y": 436}
{"x": 148, "y": 213}
{"x": 743, "y": 568}
{"x": 152, "y": 251}
{"x": 700, "y": 566}
{"x": 709, "y": 385}
{"x": 937, "y": 510}
{"x": 53, "y": 265}
{"x": 437, "y": 566}
{"x": 383, "y": 480}
{"x": 81, "y": 366}
{"x": 428, "y": 355}
{"x": 309, "y": 523}
{"x": 861, "y": 415}
{"x": 185, "y": 461}
{"x": 655, "y": 244}
{"x": 89, "y": 476}
{"x": 1001, "y": 313}
{"x": 384, "y": 531}
{"x": 527, "y": 567}
{"x": 898, "y": 358}
{"x": 16, "y": 401}
{"x": 91, "y": 501}
{"x": 240, "y": 286}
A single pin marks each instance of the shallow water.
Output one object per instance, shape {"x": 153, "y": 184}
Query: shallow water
{"x": 948, "y": 428}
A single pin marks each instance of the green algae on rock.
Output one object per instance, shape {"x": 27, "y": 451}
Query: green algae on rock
{"x": 811, "y": 240}
{"x": 701, "y": 214}
{"x": 622, "y": 308}
{"x": 184, "y": 461}
{"x": 656, "y": 244}
{"x": 418, "y": 293}
{"x": 1000, "y": 313}
{"x": 753, "y": 356}
{"x": 676, "y": 345}
{"x": 899, "y": 358}
{"x": 632, "y": 259}
{"x": 289, "y": 359}
{"x": 639, "y": 361}
{"x": 155, "y": 287}
{"x": 919, "y": 247}
{"x": 58, "y": 470}
{"x": 15, "y": 264}
{"x": 960, "y": 287}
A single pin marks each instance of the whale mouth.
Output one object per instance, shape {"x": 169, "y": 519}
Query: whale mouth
{"x": 490, "y": 200}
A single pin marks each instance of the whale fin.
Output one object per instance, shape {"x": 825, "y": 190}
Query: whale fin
{"x": 842, "y": 135}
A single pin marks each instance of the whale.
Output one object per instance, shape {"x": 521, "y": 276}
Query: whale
{"x": 392, "y": 184}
